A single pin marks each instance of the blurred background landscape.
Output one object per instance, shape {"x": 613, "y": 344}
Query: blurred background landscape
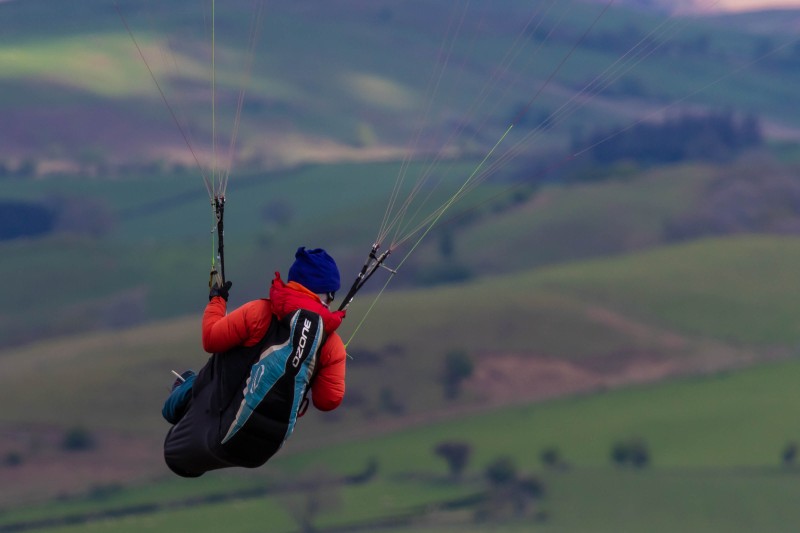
{"x": 599, "y": 333}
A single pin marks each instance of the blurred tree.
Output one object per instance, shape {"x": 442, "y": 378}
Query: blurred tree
{"x": 447, "y": 244}
{"x": 789, "y": 454}
{"x": 714, "y": 136}
{"x": 12, "y": 459}
{"x": 509, "y": 494}
{"x": 388, "y": 403}
{"x": 501, "y": 471}
{"x": 78, "y": 439}
{"x": 314, "y": 493}
{"x": 631, "y": 452}
{"x": 457, "y": 367}
{"x": 551, "y": 458}
{"x": 456, "y": 454}
{"x": 24, "y": 219}
{"x": 527, "y": 491}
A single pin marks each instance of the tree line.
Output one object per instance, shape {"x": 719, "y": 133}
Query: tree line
{"x": 712, "y": 136}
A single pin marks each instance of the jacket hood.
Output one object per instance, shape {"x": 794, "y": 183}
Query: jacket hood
{"x": 287, "y": 298}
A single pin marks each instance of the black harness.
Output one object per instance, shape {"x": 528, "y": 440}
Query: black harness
{"x": 245, "y": 402}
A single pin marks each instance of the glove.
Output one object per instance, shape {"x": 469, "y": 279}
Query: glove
{"x": 216, "y": 290}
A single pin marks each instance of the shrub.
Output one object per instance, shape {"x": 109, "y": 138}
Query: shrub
{"x": 456, "y": 454}
{"x": 457, "y": 367}
{"x": 78, "y": 439}
{"x": 631, "y": 452}
{"x": 12, "y": 459}
{"x": 789, "y": 454}
{"x": 509, "y": 495}
{"x": 388, "y": 403}
{"x": 551, "y": 458}
{"x": 24, "y": 219}
{"x": 501, "y": 471}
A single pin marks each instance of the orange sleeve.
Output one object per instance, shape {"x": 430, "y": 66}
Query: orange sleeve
{"x": 327, "y": 391}
{"x": 243, "y": 327}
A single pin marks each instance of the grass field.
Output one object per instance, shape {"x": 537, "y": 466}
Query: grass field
{"x": 158, "y": 232}
{"x": 715, "y": 446}
{"x": 714, "y": 440}
{"x": 744, "y": 273}
{"x": 561, "y": 224}
{"x": 680, "y": 291}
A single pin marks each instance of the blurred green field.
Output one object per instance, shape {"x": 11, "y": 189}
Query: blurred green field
{"x": 603, "y": 500}
{"x": 681, "y": 290}
{"x": 752, "y": 277}
{"x": 715, "y": 445}
{"x": 561, "y": 224}
{"x": 98, "y": 61}
{"x": 158, "y": 234}
{"x": 714, "y": 440}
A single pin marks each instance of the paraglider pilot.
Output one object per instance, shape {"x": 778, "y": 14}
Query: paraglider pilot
{"x": 240, "y": 408}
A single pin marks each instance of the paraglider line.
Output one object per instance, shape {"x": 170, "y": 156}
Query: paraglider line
{"x": 164, "y": 97}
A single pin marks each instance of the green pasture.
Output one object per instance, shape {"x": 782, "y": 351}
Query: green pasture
{"x": 112, "y": 367}
{"x": 715, "y": 446}
{"x": 157, "y": 228}
{"x": 561, "y": 224}
{"x": 729, "y": 420}
{"x": 602, "y": 500}
{"x": 348, "y": 200}
{"x": 752, "y": 278}
{"x": 156, "y": 234}
{"x": 63, "y": 284}
{"x": 739, "y": 289}
{"x": 546, "y": 313}
{"x": 103, "y": 64}
{"x": 666, "y": 500}
{"x": 711, "y": 295}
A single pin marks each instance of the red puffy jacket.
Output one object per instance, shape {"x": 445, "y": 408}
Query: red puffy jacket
{"x": 248, "y": 324}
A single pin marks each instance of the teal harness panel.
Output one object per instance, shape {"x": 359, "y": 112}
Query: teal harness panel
{"x": 279, "y": 379}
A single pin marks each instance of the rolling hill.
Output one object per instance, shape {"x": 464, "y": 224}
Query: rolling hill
{"x": 593, "y": 303}
{"x": 575, "y": 328}
{"x": 354, "y": 81}
{"x": 714, "y": 441}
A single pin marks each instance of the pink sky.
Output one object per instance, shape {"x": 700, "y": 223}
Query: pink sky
{"x": 743, "y": 5}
